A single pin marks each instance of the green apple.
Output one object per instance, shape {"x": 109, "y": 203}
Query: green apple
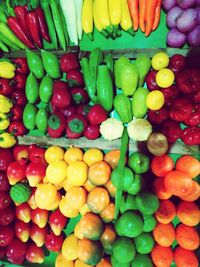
{"x": 139, "y": 162}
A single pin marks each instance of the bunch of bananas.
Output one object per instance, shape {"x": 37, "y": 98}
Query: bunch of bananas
{"x": 108, "y": 16}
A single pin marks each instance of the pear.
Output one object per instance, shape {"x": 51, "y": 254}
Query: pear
{"x": 143, "y": 64}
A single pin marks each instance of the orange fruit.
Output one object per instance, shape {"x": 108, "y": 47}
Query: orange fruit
{"x": 107, "y": 238}
{"x": 178, "y": 183}
{"x": 188, "y": 213}
{"x": 160, "y": 189}
{"x": 92, "y": 156}
{"x": 98, "y": 199}
{"x": 162, "y": 256}
{"x": 194, "y": 195}
{"x": 104, "y": 263}
{"x": 73, "y": 154}
{"x": 88, "y": 186}
{"x": 112, "y": 158}
{"x": 189, "y": 165}
{"x": 187, "y": 237}
{"x": 161, "y": 165}
{"x": 185, "y": 258}
{"x": 108, "y": 214}
{"x": 166, "y": 211}
{"x": 76, "y": 197}
{"x": 164, "y": 234}
{"x": 111, "y": 188}
{"x": 99, "y": 173}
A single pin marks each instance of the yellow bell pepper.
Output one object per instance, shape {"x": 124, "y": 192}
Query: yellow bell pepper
{"x": 5, "y": 104}
{"x": 7, "y": 140}
{"x": 7, "y": 70}
{"x": 4, "y": 121}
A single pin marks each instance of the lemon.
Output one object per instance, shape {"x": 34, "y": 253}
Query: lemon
{"x": 92, "y": 156}
{"x": 76, "y": 197}
{"x": 160, "y": 61}
{"x": 54, "y": 153}
{"x": 56, "y": 172}
{"x": 66, "y": 210}
{"x": 79, "y": 263}
{"x": 45, "y": 195}
{"x": 77, "y": 173}
{"x": 70, "y": 248}
{"x": 62, "y": 262}
{"x": 73, "y": 154}
{"x": 165, "y": 78}
{"x": 155, "y": 100}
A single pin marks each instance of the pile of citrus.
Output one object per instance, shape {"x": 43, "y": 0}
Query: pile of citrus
{"x": 178, "y": 181}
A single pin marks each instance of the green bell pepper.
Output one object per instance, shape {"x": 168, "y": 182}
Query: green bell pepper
{"x": 41, "y": 120}
{"x": 46, "y": 89}
{"x": 29, "y": 115}
{"x": 51, "y": 64}
{"x": 122, "y": 106}
{"x": 31, "y": 90}
{"x": 35, "y": 64}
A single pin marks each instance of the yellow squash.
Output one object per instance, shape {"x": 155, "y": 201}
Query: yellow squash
{"x": 87, "y": 17}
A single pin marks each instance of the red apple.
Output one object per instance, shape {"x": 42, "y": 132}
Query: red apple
{"x": 188, "y": 80}
{"x": 23, "y": 212}
{"x": 5, "y": 200}
{"x": 35, "y": 172}
{"x": 38, "y": 234}
{"x": 22, "y": 230}
{"x": 7, "y": 216}
{"x": 170, "y": 94}
{"x": 15, "y": 172}
{"x": 57, "y": 222}
{"x": 151, "y": 81}
{"x": 37, "y": 154}
{"x": 6, "y": 236}
{"x": 31, "y": 200}
{"x": 34, "y": 254}
{"x": 53, "y": 242}
{"x": 39, "y": 217}
{"x": 21, "y": 154}
{"x": 6, "y": 158}
{"x": 16, "y": 251}
{"x": 4, "y": 184}
{"x": 177, "y": 63}
{"x": 3, "y": 253}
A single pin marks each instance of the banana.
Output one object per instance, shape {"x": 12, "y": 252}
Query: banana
{"x": 115, "y": 13}
{"x": 87, "y": 17}
{"x": 126, "y": 22}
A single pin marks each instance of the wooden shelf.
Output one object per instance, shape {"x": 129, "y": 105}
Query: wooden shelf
{"x": 177, "y": 148}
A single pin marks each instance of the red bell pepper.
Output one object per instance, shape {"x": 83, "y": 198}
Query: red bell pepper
{"x": 72, "y": 135}
{"x": 20, "y": 12}
{"x": 16, "y": 27}
{"x": 76, "y": 124}
{"x": 195, "y": 97}
{"x": 17, "y": 128}
{"x": 21, "y": 65}
{"x": 16, "y": 113}
{"x": 69, "y": 62}
{"x": 170, "y": 94}
{"x": 83, "y": 109}
{"x": 42, "y": 23}
{"x": 61, "y": 97}
{"x": 68, "y": 111}
{"x": 172, "y": 130}
{"x": 194, "y": 119}
{"x": 191, "y": 136}
{"x": 5, "y": 87}
{"x": 181, "y": 110}
{"x": 157, "y": 116}
{"x": 19, "y": 98}
{"x": 188, "y": 80}
{"x": 6, "y": 158}
{"x": 92, "y": 132}
{"x": 19, "y": 81}
{"x": 34, "y": 28}
{"x": 56, "y": 125}
{"x": 80, "y": 96}
{"x": 97, "y": 114}
{"x": 75, "y": 78}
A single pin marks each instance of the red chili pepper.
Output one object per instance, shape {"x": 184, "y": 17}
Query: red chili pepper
{"x": 42, "y": 24}
{"x": 191, "y": 136}
{"x": 19, "y": 81}
{"x": 61, "y": 95}
{"x": 5, "y": 87}
{"x": 16, "y": 113}
{"x": 19, "y": 98}
{"x": 76, "y": 123}
{"x": 194, "y": 119}
{"x": 181, "y": 110}
{"x": 80, "y": 96}
{"x": 34, "y": 28}
{"x": 68, "y": 62}
{"x": 97, "y": 114}
{"x": 83, "y": 109}
{"x": 57, "y": 124}
{"x": 172, "y": 130}
{"x": 21, "y": 65}
{"x": 157, "y": 116}
{"x": 92, "y": 132}
{"x": 21, "y": 12}
{"x": 16, "y": 27}
{"x": 75, "y": 78}
{"x": 17, "y": 128}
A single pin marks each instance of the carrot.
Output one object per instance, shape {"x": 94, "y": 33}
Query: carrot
{"x": 142, "y": 7}
{"x": 150, "y": 14}
{"x": 134, "y": 11}
{"x": 157, "y": 15}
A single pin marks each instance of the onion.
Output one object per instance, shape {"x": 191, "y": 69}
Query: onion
{"x": 168, "y": 4}
{"x": 173, "y": 15}
{"x": 187, "y": 21}
{"x": 193, "y": 37}
{"x": 198, "y": 14}
{"x": 197, "y": 3}
{"x": 184, "y": 4}
{"x": 175, "y": 38}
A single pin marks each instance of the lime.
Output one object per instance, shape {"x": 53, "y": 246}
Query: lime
{"x": 128, "y": 178}
{"x": 155, "y": 100}
{"x": 137, "y": 185}
{"x": 20, "y": 193}
{"x": 124, "y": 249}
{"x": 147, "y": 203}
{"x": 142, "y": 261}
{"x": 129, "y": 224}
{"x": 139, "y": 162}
{"x": 116, "y": 263}
{"x": 149, "y": 223}
{"x": 160, "y": 60}
{"x": 127, "y": 203}
{"x": 144, "y": 243}
{"x": 165, "y": 78}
